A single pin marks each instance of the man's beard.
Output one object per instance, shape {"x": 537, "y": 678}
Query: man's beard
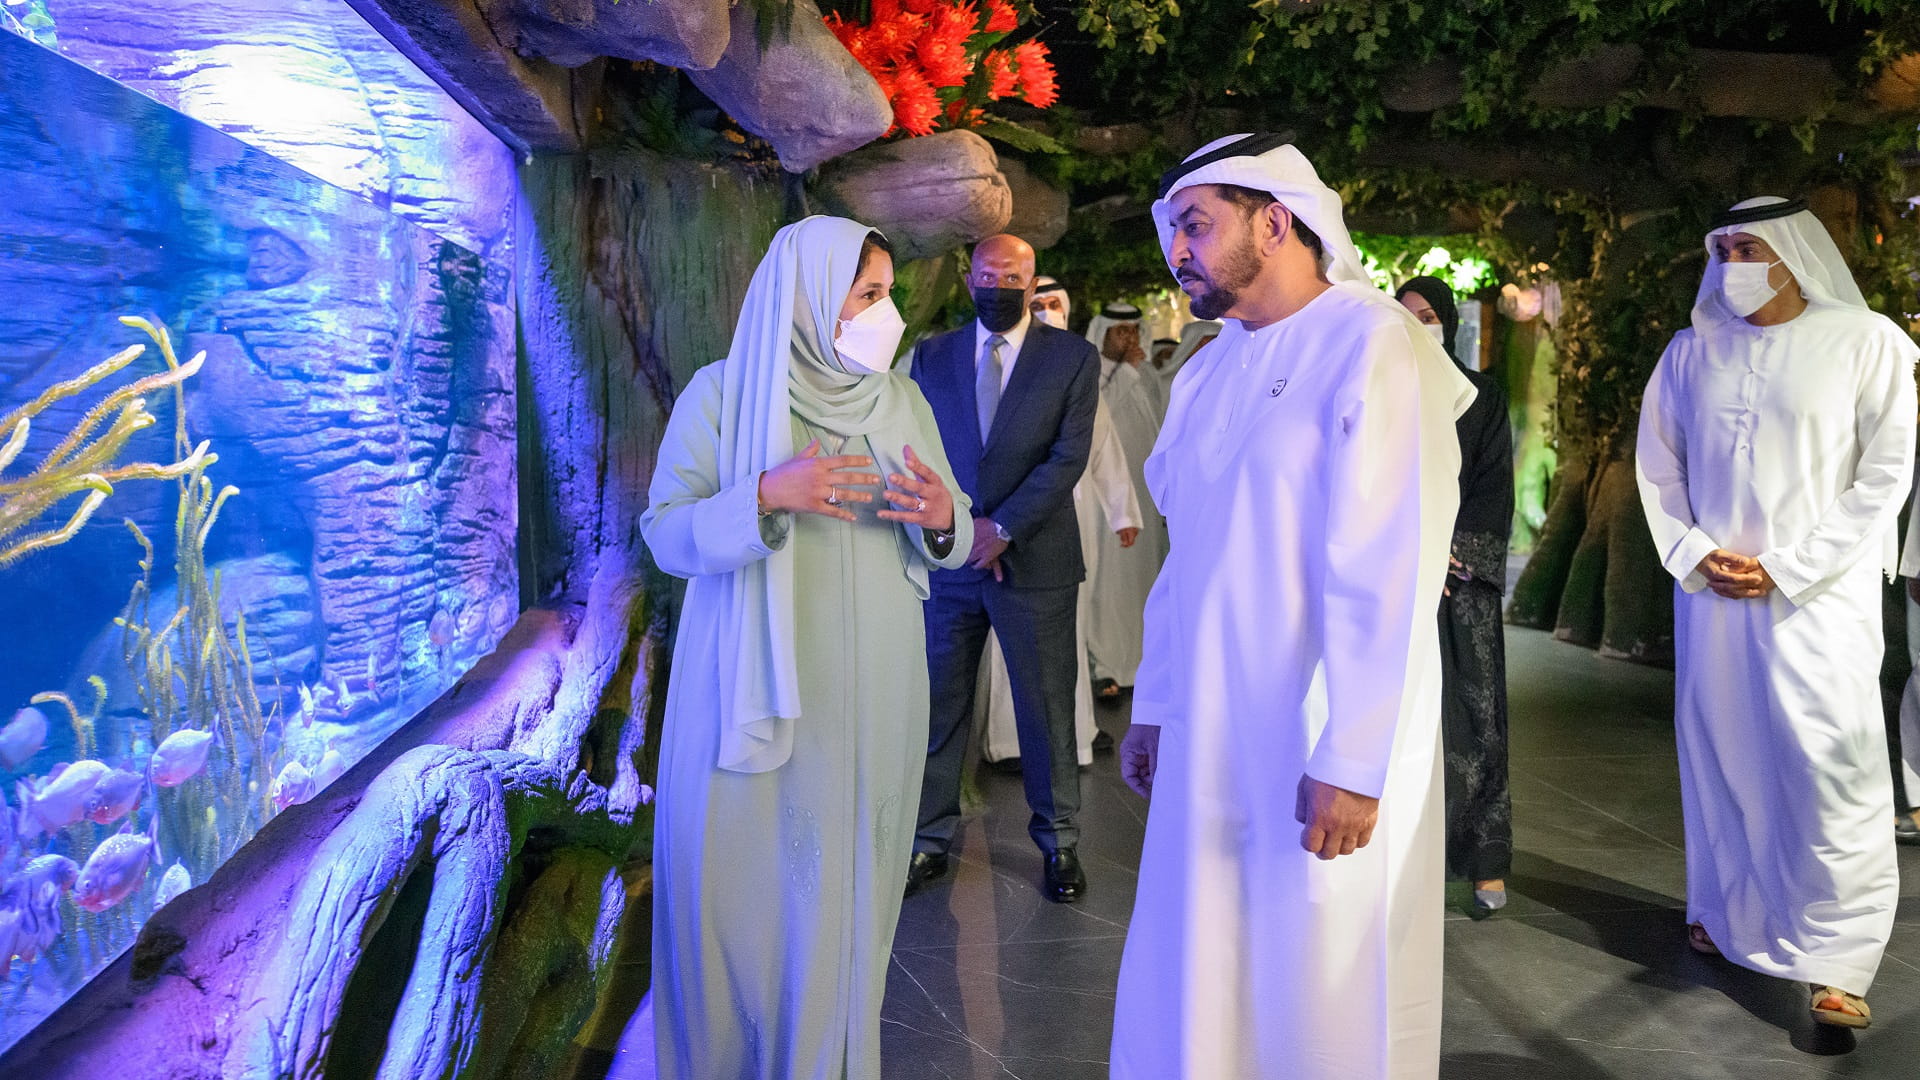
{"x": 1222, "y": 288}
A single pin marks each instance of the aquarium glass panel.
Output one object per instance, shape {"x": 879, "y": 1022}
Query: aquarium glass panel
{"x": 309, "y": 82}
{"x": 256, "y": 488}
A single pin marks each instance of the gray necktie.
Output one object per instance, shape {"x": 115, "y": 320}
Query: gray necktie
{"x": 986, "y": 385}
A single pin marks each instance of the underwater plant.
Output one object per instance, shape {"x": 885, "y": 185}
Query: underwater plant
{"x": 204, "y": 787}
{"x": 33, "y": 21}
{"x": 195, "y": 680}
{"x": 84, "y": 462}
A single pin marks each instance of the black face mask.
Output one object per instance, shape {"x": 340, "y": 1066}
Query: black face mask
{"x": 1000, "y": 310}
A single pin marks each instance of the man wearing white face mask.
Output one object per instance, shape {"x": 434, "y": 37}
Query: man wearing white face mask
{"x": 1775, "y": 449}
{"x": 1051, "y": 304}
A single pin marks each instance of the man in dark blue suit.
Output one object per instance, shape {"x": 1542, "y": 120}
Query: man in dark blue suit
{"x": 1014, "y": 399}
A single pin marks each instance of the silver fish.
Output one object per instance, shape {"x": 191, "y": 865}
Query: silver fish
{"x": 29, "y": 920}
{"x": 115, "y": 796}
{"x": 172, "y": 883}
{"x": 30, "y": 907}
{"x": 55, "y": 868}
{"x": 179, "y": 757}
{"x": 60, "y": 799}
{"x": 332, "y": 764}
{"x": 293, "y": 785}
{"x": 23, "y": 737}
{"x": 11, "y": 943}
{"x": 116, "y": 868}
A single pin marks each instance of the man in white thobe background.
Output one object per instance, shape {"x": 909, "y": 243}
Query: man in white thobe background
{"x": 1906, "y": 822}
{"x": 1286, "y": 722}
{"x": 1775, "y": 449}
{"x": 1105, "y": 501}
{"x": 1133, "y": 396}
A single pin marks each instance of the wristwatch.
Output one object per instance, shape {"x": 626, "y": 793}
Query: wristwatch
{"x": 1000, "y": 531}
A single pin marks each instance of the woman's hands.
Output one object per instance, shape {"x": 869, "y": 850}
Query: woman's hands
{"x": 811, "y": 484}
{"x": 923, "y": 498}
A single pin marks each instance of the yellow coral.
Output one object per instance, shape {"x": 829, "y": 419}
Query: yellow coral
{"x": 78, "y": 465}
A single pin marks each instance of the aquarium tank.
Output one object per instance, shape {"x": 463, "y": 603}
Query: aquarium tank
{"x": 257, "y": 501}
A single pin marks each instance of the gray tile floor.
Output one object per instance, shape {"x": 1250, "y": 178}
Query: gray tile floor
{"x": 1583, "y": 977}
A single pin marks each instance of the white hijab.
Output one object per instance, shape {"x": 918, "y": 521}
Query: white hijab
{"x": 1286, "y": 174}
{"x": 1802, "y": 243}
{"x": 783, "y": 364}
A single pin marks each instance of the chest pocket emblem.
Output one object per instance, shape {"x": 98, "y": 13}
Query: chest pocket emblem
{"x": 1277, "y": 387}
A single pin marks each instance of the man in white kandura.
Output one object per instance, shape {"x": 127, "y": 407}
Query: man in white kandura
{"x": 1906, "y": 819}
{"x": 1286, "y": 722}
{"x": 1776, "y": 446}
{"x": 1104, "y": 501}
{"x": 1133, "y": 396}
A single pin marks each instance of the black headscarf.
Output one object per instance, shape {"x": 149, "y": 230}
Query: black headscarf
{"x": 1435, "y": 292}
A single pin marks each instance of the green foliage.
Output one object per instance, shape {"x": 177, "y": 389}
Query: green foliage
{"x": 656, "y": 109}
{"x": 1460, "y": 261}
{"x": 1137, "y": 21}
{"x": 1101, "y": 261}
{"x": 1018, "y": 136}
{"x": 1610, "y": 199}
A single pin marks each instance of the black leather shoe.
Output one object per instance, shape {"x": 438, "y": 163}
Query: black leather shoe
{"x": 924, "y": 868}
{"x": 1006, "y": 766}
{"x": 1102, "y": 742}
{"x": 1065, "y": 882}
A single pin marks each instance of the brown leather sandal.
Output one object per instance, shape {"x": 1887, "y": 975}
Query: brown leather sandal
{"x": 1699, "y": 941}
{"x": 1830, "y": 1004}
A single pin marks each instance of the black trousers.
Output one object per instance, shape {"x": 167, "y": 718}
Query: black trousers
{"x": 1036, "y": 629}
{"x": 1473, "y": 732}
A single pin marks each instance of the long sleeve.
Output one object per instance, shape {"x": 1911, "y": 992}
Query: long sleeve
{"x": 1881, "y": 476}
{"x": 693, "y": 526}
{"x": 1373, "y": 598}
{"x": 1051, "y": 482}
{"x": 1660, "y": 466}
{"x": 1109, "y": 473}
{"x": 1486, "y": 487}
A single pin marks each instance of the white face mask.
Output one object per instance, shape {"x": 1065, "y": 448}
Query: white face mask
{"x": 1053, "y": 317}
{"x": 868, "y": 342}
{"x": 1436, "y": 331}
{"x": 1744, "y": 286}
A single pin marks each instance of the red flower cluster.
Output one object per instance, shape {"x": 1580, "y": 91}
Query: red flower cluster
{"x": 924, "y": 53}
{"x": 1036, "y": 74}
